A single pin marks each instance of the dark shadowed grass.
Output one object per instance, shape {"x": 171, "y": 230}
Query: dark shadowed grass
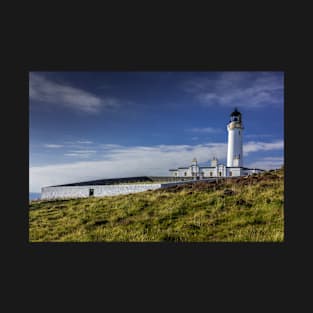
{"x": 246, "y": 209}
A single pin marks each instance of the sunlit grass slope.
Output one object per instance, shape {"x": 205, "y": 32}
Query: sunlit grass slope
{"x": 233, "y": 210}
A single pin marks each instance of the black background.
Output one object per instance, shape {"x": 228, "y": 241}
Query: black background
{"x": 252, "y": 277}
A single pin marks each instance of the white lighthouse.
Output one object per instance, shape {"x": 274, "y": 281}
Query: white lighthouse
{"x": 234, "y": 167}
{"x": 234, "y": 150}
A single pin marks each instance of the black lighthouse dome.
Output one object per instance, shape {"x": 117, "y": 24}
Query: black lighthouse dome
{"x": 235, "y": 113}
{"x": 235, "y": 116}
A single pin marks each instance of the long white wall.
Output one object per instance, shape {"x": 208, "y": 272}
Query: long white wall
{"x": 67, "y": 192}
{"x": 99, "y": 191}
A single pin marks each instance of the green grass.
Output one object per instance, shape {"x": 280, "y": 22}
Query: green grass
{"x": 198, "y": 212}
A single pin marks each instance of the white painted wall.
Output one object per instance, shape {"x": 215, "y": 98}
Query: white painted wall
{"x": 214, "y": 162}
{"x": 207, "y": 172}
{"x": 181, "y": 172}
{"x": 66, "y": 192}
{"x": 236, "y": 171}
{"x": 70, "y": 192}
{"x": 221, "y": 168}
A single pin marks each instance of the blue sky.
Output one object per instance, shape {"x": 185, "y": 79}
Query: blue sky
{"x": 90, "y": 125}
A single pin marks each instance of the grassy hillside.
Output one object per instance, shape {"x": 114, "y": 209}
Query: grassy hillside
{"x": 241, "y": 209}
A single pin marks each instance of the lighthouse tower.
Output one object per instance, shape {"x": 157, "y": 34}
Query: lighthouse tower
{"x": 234, "y": 150}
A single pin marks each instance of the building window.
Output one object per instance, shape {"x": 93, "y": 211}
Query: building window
{"x": 91, "y": 192}
{"x": 230, "y": 173}
{"x": 220, "y": 173}
{"x": 211, "y": 174}
{"x": 239, "y": 132}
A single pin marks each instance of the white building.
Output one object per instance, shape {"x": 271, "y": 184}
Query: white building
{"x": 234, "y": 165}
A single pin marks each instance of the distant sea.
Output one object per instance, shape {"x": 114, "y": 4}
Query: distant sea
{"x": 34, "y": 195}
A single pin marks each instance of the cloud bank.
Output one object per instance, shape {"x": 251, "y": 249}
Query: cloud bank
{"x": 53, "y": 146}
{"x": 120, "y": 161}
{"x": 267, "y": 163}
{"x": 207, "y": 130}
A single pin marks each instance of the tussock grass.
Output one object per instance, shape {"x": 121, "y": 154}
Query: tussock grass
{"x": 251, "y": 212}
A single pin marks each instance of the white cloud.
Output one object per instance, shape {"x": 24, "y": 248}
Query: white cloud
{"x": 209, "y": 130}
{"x": 243, "y": 89}
{"x": 267, "y": 163}
{"x": 254, "y": 146}
{"x": 85, "y": 142}
{"x": 80, "y": 153}
{"x": 77, "y": 155}
{"x": 83, "y": 151}
{"x": 47, "y": 91}
{"x": 258, "y": 135}
{"x": 122, "y": 161}
{"x": 109, "y": 146}
{"x": 53, "y": 146}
